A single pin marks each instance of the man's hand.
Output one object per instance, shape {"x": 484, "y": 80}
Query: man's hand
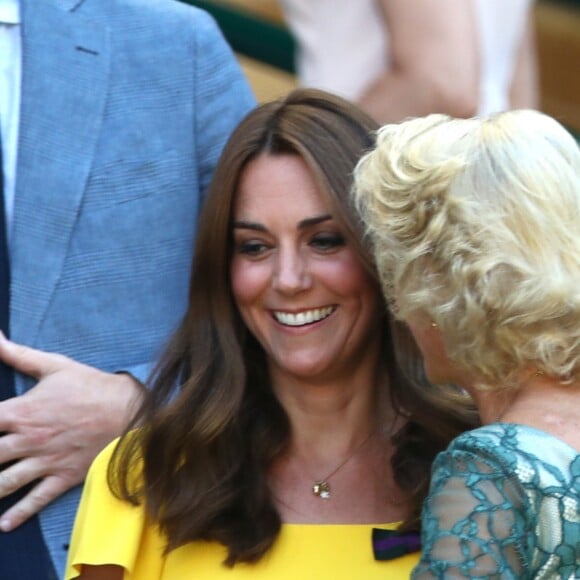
{"x": 55, "y": 430}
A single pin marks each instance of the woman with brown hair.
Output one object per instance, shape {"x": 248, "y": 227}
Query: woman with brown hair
{"x": 279, "y": 431}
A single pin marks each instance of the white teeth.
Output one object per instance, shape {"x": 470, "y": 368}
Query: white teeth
{"x": 303, "y": 318}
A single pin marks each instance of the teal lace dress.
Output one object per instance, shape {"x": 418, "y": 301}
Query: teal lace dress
{"x": 504, "y": 503}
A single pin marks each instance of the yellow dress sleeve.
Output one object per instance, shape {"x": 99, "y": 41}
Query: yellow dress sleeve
{"x": 108, "y": 530}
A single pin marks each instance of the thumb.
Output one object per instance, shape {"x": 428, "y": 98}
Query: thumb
{"x": 29, "y": 361}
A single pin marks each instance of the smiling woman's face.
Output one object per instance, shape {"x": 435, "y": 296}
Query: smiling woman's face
{"x": 301, "y": 289}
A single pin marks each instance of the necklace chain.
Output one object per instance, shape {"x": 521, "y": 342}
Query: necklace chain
{"x": 321, "y": 487}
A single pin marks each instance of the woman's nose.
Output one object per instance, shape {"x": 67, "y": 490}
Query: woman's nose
{"x": 291, "y": 273}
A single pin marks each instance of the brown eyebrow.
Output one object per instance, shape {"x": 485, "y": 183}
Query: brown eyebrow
{"x": 244, "y": 225}
{"x": 314, "y": 221}
{"x": 303, "y": 224}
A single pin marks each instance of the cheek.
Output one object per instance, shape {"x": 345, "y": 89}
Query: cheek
{"x": 347, "y": 276}
{"x": 351, "y": 282}
{"x": 248, "y": 280}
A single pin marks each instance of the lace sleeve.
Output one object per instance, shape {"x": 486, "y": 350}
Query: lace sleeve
{"x": 474, "y": 520}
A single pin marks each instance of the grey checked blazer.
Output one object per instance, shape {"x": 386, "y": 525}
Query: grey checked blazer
{"x": 125, "y": 107}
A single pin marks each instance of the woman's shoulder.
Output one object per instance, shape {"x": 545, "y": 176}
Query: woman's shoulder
{"x": 514, "y": 438}
{"x": 108, "y": 529}
{"x": 534, "y": 457}
{"x": 104, "y": 456}
{"x": 100, "y": 467}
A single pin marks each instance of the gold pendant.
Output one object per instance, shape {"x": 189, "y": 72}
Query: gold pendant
{"x": 321, "y": 489}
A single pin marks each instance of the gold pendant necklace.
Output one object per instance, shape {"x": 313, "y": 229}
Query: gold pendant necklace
{"x": 321, "y": 487}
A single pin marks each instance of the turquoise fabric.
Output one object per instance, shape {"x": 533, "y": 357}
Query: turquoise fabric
{"x": 504, "y": 503}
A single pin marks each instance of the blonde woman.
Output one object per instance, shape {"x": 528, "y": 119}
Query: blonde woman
{"x": 476, "y": 231}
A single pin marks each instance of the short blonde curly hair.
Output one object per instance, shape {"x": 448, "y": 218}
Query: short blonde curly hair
{"x": 476, "y": 222}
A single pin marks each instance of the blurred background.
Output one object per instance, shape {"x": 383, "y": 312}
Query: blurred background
{"x": 258, "y": 33}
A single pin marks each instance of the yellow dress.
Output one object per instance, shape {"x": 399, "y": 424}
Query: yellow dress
{"x": 110, "y": 531}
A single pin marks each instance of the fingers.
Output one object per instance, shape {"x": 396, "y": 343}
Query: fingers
{"x": 30, "y": 361}
{"x": 37, "y": 498}
{"x": 17, "y": 475}
{"x": 12, "y": 446}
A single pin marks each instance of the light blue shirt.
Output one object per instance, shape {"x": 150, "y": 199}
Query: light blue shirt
{"x": 10, "y": 77}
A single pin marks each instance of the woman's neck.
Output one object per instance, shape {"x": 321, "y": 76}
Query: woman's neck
{"x": 539, "y": 401}
{"x": 334, "y": 421}
{"x": 334, "y": 414}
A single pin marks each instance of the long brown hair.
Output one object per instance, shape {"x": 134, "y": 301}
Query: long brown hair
{"x": 210, "y": 425}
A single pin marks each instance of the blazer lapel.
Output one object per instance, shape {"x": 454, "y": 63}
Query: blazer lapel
{"x": 65, "y": 67}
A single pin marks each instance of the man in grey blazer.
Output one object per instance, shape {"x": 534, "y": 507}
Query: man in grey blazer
{"x": 122, "y": 109}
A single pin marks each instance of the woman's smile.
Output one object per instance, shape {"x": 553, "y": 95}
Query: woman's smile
{"x": 303, "y": 317}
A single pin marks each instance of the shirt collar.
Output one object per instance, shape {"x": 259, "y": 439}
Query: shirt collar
{"x": 9, "y": 12}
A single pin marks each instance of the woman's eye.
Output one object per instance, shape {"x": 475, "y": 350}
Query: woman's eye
{"x": 252, "y": 248}
{"x": 326, "y": 242}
